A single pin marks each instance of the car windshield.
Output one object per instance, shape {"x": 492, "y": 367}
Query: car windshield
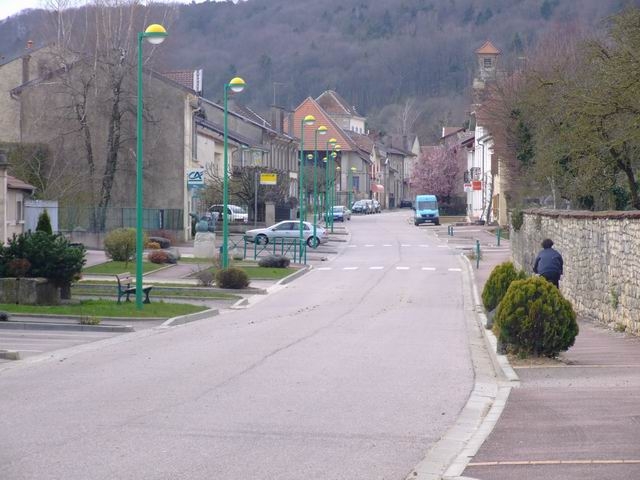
{"x": 427, "y": 205}
{"x": 236, "y": 209}
{"x": 337, "y": 209}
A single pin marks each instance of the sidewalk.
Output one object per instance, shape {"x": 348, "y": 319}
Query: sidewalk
{"x": 577, "y": 418}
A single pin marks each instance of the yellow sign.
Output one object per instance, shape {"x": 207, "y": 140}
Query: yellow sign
{"x": 268, "y": 179}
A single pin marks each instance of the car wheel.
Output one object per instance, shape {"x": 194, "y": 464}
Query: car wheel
{"x": 416, "y": 224}
{"x": 262, "y": 239}
{"x": 310, "y": 242}
{"x": 437, "y": 222}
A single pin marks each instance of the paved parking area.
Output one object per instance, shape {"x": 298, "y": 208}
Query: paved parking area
{"x": 35, "y": 342}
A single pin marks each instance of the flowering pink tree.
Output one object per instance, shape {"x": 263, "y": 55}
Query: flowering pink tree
{"x": 437, "y": 171}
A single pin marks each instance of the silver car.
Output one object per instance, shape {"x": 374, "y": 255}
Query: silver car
{"x": 288, "y": 229}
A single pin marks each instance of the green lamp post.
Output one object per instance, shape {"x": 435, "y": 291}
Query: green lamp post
{"x": 350, "y": 183}
{"x": 307, "y": 121}
{"x": 155, "y": 34}
{"x": 327, "y": 196}
{"x": 236, "y": 85}
{"x": 321, "y": 130}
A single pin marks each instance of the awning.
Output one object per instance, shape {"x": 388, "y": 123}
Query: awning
{"x": 376, "y": 187}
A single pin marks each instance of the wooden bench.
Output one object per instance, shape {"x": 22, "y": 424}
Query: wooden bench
{"x": 125, "y": 288}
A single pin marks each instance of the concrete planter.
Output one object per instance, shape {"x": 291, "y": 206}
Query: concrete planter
{"x": 29, "y": 291}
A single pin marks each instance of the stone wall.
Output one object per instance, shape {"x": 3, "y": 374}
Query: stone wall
{"x": 601, "y": 253}
{"x": 28, "y": 291}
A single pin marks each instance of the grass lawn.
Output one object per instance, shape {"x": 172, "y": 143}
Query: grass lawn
{"x": 115, "y": 268}
{"x": 99, "y": 288}
{"x": 107, "y": 308}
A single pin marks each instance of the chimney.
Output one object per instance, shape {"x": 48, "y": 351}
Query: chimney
{"x": 277, "y": 118}
{"x": 25, "y": 62}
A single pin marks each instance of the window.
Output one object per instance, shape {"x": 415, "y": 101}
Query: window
{"x": 19, "y": 211}
{"x": 488, "y": 62}
{"x": 356, "y": 184}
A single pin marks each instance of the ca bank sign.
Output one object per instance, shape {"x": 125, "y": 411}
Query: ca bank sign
{"x": 195, "y": 177}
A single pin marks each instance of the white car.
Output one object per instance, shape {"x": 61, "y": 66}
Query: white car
{"x": 289, "y": 229}
{"x": 236, "y": 213}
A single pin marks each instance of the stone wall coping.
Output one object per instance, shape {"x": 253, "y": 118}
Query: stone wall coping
{"x": 611, "y": 214}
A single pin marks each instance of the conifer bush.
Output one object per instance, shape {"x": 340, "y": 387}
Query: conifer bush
{"x": 44, "y": 223}
{"x": 534, "y": 318}
{"x": 232, "y": 277}
{"x": 498, "y": 283}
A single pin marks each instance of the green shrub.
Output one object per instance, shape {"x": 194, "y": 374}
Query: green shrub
{"x": 534, "y": 318}
{"x": 44, "y": 223}
{"x": 274, "y": 261}
{"x": 158, "y": 256}
{"x": 498, "y": 283}
{"x": 90, "y": 321}
{"x": 51, "y": 257}
{"x": 517, "y": 219}
{"x": 232, "y": 278}
{"x": 120, "y": 244}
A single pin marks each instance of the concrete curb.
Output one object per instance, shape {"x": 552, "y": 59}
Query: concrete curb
{"x": 9, "y": 355}
{"x": 192, "y": 317}
{"x": 449, "y": 456}
{"x": 12, "y": 325}
{"x": 293, "y": 276}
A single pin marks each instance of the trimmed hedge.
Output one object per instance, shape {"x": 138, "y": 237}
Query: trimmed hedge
{"x": 534, "y": 318}
{"x": 274, "y": 261}
{"x": 498, "y": 283}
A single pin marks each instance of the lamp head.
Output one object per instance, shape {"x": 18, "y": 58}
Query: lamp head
{"x": 309, "y": 120}
{"x": 310, "y": 156}
{"x": 155, "y": 34}
{"x": 236, "y": 84}
{"x": 332, "y": 142}
{"x": 353, "y": 169}
{"x": 322, "y": 130}
{"x": 337, "y": 147}
{"x": 338, "y": 167}
{"x": 324, "y": 159}
{"x": 334, "y": 155}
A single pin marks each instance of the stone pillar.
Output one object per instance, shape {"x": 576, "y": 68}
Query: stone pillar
{"x": 3, "y": 197}
{"x": 270, "y": 213}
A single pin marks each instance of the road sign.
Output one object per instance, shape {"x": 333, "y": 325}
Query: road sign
{"x": 268, "y": 179}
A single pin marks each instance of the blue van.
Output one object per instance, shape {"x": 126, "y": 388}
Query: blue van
{"x": 426, "y": 210}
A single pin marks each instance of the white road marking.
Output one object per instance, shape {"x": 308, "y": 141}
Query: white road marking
{"x": 324, "y": 268}
{"x": 424, "y": 246}
{"x": 402, "y": 268}
{"x": 350, "y": 268}
{"x": 443, "y": 246}
{"x": 387, "y": 245}
{"x": 405, "y": 245}
{"x": 369, "y": 245}
{"x": 351, "y": 246}
{"x": 455, "y": 269}
{"x": 376, "y": 268}
{"x": 430, "y": 269}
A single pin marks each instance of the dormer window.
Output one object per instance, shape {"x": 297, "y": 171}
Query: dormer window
{"x": 488, "y": 62}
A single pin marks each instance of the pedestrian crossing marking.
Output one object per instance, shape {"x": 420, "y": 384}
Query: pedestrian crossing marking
{"x": 350, "y": 268}
{"x": 402, "y": 268}
{"x": 429, "y": 269}
{"x": 369, "y": 245}
{"x": 387, "y": 245}
{"x": 424, "y": 246}
{"x": 376, "y": 268}
{"x": 324, "y": 268}
{"x": 405, "y": 244}
{"x": 455, "y": 269}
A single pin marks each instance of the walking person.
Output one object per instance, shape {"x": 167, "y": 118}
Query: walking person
{"x": 548, "y": 263}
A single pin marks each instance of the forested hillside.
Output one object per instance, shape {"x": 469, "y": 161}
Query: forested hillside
{"x": 379, "y": 54}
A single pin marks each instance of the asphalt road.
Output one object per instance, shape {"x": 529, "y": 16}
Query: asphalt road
{"x": 351, "y": 372}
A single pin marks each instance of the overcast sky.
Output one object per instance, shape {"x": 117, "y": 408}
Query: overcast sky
{"x": 11, "y": 7}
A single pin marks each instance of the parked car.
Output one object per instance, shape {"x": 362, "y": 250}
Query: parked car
{"x": 376, "y": 206}
{"x": 370, "y": 206}
{"x": 236, "y": 213}
{"x": 406, "y": 204}
{"x": 288, "y": 229}
{"x": 360, "y": 206}
{"x": 340, "y": 213}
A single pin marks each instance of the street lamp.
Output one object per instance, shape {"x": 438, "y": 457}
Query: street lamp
{"x": 321, "y": 130}
{"x": 307, "y": 121}
{"x": 155, "y": 34}
{"x": 236, "y": 85}
{"x": 327, "y": 197}
{"x": 350, "y": 182}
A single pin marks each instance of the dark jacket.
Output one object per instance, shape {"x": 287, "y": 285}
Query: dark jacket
{"x": 548, "y": 262}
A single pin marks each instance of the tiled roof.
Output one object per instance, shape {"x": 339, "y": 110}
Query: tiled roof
{"x": 333, "y": 103}
{"x": 310, "y": 107}
{"x": 448, "y": 131}
{"x": 17, "y": 184}
{"x": 183, "y": 77}
{"x": 363, "y": 142}
{"x": 488, "y": 49}
{"x": 248, "y": 113}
